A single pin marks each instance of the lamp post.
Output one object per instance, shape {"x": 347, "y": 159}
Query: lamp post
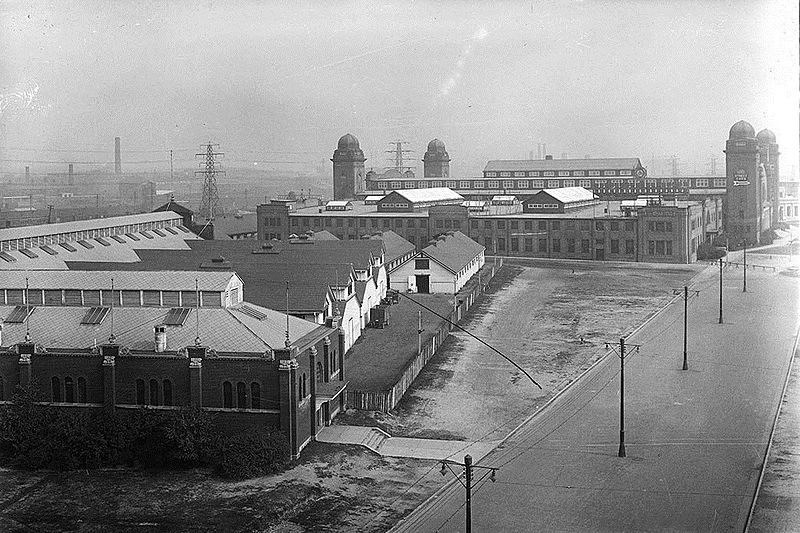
{"x": 720, "y": 290}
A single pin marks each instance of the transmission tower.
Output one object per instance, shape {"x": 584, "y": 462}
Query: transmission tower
{"x": 210, "y": 169}
{"x": 398, "y": 158}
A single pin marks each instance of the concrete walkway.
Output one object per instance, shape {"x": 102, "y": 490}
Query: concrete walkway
{"x": 384, "y": 444}
{"x": 696, "y": 439}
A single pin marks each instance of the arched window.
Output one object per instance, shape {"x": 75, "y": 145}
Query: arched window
{"x": 56, "y": 386}
{"x": 227, "y": 394}
{"x": 334, "y": 361}
{"x": 139, "y": 392}
{"x": 320, "y": 372}
{"x": 81, "y": 390}
{"x": 69, "y": 390}
{"x": 241, "y": 395}
{"x": 167, "y": 392}
{"x": 154, "y": 392}
{"x": 255, "y": 395}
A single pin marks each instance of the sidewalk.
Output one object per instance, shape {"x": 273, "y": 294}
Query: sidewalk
{"x": 696, "y": 439}
{"x": 384, "y": 444}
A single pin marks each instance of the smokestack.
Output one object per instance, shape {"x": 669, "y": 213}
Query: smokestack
{"x": 28, "y": 175}
{"x": 160, "y": 338}
{"x": 71, "y": 177}
{"x": 117, "y": 156}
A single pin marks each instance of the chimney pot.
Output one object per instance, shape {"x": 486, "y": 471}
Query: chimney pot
{"x": 548, "y": 157}
{"x": 160, "y": 338}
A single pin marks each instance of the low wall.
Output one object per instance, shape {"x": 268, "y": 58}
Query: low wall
{"x": 387, "y": 399}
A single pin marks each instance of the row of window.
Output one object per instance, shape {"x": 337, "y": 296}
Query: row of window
{"x": 519, "y": 173}
{"x": 241, "y": 398}
{"x": 652, "y": 183}
{"x": 125, "y": 298}
{"x": 339, "y": 222}
{"x": 659, "y": 247}
{"x": 555, "y": 245}
{"x": 660, "y": 225}
{"x": 72, "y": 391}
{"x": 529, "y": 225}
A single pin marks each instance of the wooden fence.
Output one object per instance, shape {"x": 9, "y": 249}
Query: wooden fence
{"x": 386, "y": 400}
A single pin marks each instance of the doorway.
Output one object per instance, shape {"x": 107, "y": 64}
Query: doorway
{"x": 423, "y": 283}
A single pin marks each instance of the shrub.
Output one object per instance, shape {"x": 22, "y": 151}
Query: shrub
{"x": 706, "y": 251}
{"x": 249, "y": 455}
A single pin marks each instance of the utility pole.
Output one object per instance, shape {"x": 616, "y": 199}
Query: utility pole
{"x": 467, "y": 483}
{"x": 720, "y": 290}
{"x": 744, "y": 272}
{"x": 621, "y": 355}
{"x": 170, "y": 166}
{"x": 419, "y": 332}
{"x": 685, "y": 321}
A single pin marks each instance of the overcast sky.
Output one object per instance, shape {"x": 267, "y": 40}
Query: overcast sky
{"x": 284, "y": 81}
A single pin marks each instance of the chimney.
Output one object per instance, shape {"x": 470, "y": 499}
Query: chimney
{"x": 160, "y": 338}
{"x": 27, "y": 175}
{"x": 548, "y": 157}
{"x": 71, "y": 177}
{"x": 117, "y": 157}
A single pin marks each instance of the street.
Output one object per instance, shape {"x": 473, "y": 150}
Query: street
{"x": 695, "y": 439}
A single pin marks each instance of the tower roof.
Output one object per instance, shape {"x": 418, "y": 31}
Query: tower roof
{"x": 348, "y": 141}
{"x": 766, "y": 135}
{"x": 436, "y": 146}
{"x": 436, "y": 151}
{"x": 742, "y": 130}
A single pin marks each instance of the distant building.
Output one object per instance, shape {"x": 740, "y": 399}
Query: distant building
{"x": 348, "y": 169}
{"x": 436, "y": 161}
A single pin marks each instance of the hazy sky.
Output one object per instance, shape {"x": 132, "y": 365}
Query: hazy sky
{"x": 284, "y": 81}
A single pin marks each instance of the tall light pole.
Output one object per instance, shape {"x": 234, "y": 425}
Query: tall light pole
{"x": 621, "y": 355}
{"x": 720, "y": 290}
{"x": 467, "y": 483}
{"x": 685, "y": 292}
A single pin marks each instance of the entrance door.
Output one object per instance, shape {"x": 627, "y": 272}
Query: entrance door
{"x": 600, "y": 254}
{"x": 423, "y": 283}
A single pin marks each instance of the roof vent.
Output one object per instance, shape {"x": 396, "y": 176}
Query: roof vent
{"x": 160, "y": 338}
{"x": 219, "y": 259}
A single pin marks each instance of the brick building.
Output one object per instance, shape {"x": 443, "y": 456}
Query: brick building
{"x": 163, "y": 340}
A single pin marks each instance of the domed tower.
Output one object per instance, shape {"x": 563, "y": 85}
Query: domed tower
{"x": 436, "y": 161}
{"x": 348, "y": 169}
{"x": 768, "y": 149}
{"x": 743, "y": 200}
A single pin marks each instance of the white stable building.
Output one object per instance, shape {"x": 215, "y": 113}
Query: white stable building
{"x": 442, "y": 267}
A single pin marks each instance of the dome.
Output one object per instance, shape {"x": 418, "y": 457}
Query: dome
{"x": 766, "y": 135}
{"x": 436, "y": 146}
{"x": 348, "y": 142}
{"x": 742, "y": 130}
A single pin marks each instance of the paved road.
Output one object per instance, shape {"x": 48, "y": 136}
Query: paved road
{"x": 696, "y": 439}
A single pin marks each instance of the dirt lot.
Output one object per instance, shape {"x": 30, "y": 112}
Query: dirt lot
{"x": 467, "y": 392}
{"x": 335, "y": 488}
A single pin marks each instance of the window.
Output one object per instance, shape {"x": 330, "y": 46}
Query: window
{"x": 320, "y": 372}
{"x": 487, "y": 242}
{"x": 255, "y": 395}
{"x": 614, "y": 246}
{"x": 659, "y": 226}
{"x": 517, "y": 174}
{"x": 563, "y": 172}
{"x": 552, "y": 184}
{"x": 139, "y": 392}
{"x": 543, "y": 245}
{"x": 719, "y": 183}
{"x": 514, "y": 224}
{"x": 409, "y": 184}
{"x": 514, "y": 244}
{"x": 422, "y": 264}
{"x": 586, "y": 225}
{"x": 522, "y": 184}
{"x": 542, "y": 224}
{"x": 585, "y": 246}
{"x": 528, "y": 244}
{"x": 463, "y": 184}
{"x": 478, "y": 184}
{"x": 529, "y": 225}
{"x": 439, "y": 223}
{"x": 556, "y": 243}
{"x": 303, "y": 386}
{"x": 493, "y": 184}
{"x": 569, "y": 183}
{"x": 491, "y": 174}
{"x": 628, "y": 246}
{"x": 55, "y": 385}
{"x": 555, "y": 224}
{"x": 501, "y": 224}
{"x": 450, "y": 184}
{"x": 585, "y": 183}
{"x": 398, "y": 223}
{"x": 534, "y": 173}
{"x": 669, "y": 227}
{"x": 227, "y": 395}
{"x": 154, "y": 392}
{"x": 615, "y": 225}
{"x": 241, "y": 395}
{"x": 167, "y": 384}
{"x": 474, "y": 224}
{"x": 386, "y": 223}
{"x": 668, "y": 250}
{"x": 501, "y": 244}
{"x": 339, "y": 222}
{"x": 411, "y": 223}
{"x": 599, "y": 225}
{"x": 570, "y": 245}
{"x": 81, "y": 390}
{"x": 701, "y": 182}
{"x": 548, "y": 173}
{"x": 505, "y": 174}
{"x": 609, "y": 173}
{"x": 594, "y": 172}
{"x": 629, "y": 225}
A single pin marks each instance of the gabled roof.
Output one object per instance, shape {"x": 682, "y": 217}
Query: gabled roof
{"x": 175, "y": 207}
{"x": 569, "y": 195}
{"x": 453, "y": 250}
{"x": 233, "y": 330}
{"x": 123, "y": 280}
{"x": 562, "y": 164}
{"x": 433, "y": 194}
{"x": 396, "y": 246}
{"x": 235, "y": 224}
